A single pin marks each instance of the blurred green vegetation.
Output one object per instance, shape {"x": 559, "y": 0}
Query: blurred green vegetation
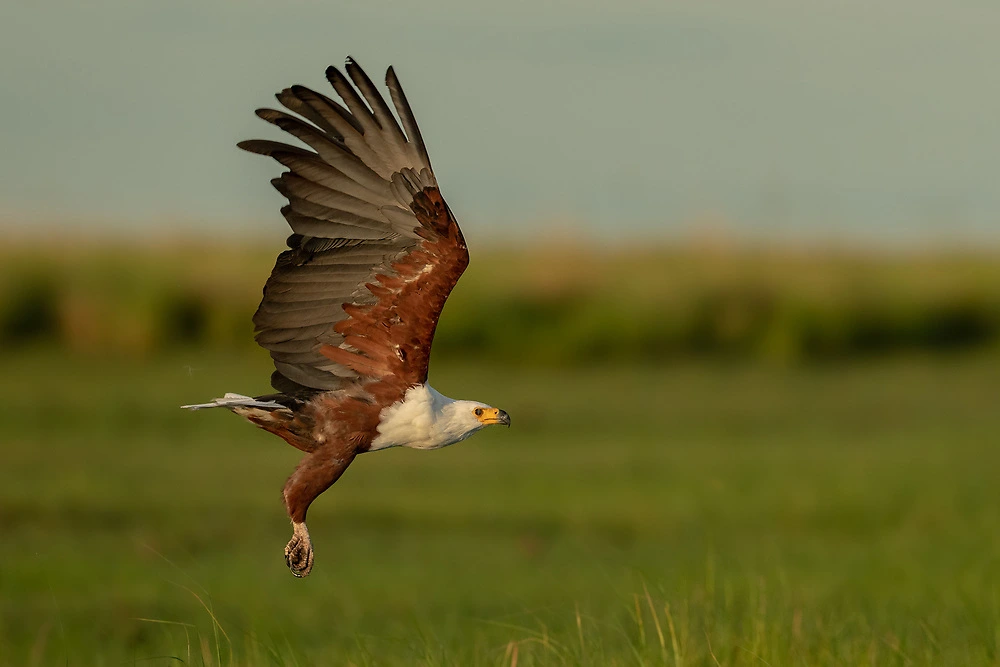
{"x": 547, "y": 305}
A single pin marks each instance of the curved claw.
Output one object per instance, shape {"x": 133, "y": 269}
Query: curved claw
{"x": 299, "y": 552}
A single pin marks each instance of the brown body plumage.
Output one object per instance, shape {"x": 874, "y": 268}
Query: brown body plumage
{"x": 350, "y": 309}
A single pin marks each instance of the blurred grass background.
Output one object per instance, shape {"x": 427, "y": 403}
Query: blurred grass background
{"x": 549, "y": 305}
{"x": 721, "y": 454}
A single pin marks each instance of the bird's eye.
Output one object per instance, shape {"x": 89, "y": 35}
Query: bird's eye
{"x": 478, "y": 412}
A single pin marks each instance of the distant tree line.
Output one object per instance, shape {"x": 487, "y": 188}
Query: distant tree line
{"x": 663, "y": 306}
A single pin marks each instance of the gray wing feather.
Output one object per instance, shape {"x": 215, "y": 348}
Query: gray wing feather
{"x": 330, "y": 111}
{"x": 409, "y": 122}
{"x": 293, "y": 103}
{"x": 330, "y": 149}
{"x": 309, "y": 165}
{"x": 371, "y": 146}
{"x": 307, "y": 226}
{"x": 384, "y": 117}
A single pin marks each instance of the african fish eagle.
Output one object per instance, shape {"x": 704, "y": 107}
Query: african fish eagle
{"x": 349, "y": 311}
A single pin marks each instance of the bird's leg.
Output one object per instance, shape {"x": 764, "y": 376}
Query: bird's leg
{"x": 316, "y": 472}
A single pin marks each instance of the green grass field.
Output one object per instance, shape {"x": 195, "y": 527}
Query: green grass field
{"x": 690, "y": 514}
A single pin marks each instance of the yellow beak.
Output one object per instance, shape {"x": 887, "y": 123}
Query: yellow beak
{"x": 494, "y": 416}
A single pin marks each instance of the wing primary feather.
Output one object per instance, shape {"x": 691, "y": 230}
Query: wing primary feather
{"x": 306, "y": 226}
{"x": 291, "y": 101}
{"x": 296, "y": 126}
{"x": 323, "y": 105}
{"x": 374, "y": 147}
{"x": 381, "y": 110}
{"x": 270, "y": 148}
{"x": 406, "y": 116}
{"x": 357, "y": 106}
{"x": 334, "y": 199}
{"x": 331, "y": 150}
{"x": 310, "y": 209}
{"x": 312, "y": 167}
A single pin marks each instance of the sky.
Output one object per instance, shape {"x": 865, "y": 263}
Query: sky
{"x": 622, "y": 120}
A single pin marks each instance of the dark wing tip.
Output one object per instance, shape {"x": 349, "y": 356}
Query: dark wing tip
{"x": 353, "y": 68}
{"x": 333, "y": 74}
{"x": 252, "y": 146}
{"x": 267, "y": 114}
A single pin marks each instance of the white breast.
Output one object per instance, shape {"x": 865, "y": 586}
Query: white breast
{"x": 422, "y": 420}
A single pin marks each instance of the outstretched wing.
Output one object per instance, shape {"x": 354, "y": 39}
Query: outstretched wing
{"x": 375, "y": 251}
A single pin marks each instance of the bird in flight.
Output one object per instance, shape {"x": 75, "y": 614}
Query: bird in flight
{"x": 349, "y": 311}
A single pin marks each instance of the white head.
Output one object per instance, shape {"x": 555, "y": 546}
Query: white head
{"x": 457, "y": 420}
{"x": 426, "y": 419}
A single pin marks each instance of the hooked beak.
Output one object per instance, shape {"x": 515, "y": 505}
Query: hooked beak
{"x": 494, "y": 416}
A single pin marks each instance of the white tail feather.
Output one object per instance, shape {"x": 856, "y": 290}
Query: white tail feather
{"x": 235, "y": 400}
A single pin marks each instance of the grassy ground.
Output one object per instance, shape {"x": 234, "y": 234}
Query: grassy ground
{"x": 684, "y": 515}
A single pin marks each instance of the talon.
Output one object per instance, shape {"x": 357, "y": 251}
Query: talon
{"x": 299, "y": 551}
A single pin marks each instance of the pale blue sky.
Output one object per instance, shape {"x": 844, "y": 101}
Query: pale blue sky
{"x": 622, "y": 119}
